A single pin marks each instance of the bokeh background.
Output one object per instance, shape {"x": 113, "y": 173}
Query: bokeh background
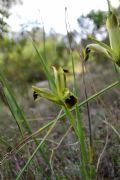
{"x": 53, "y": 26}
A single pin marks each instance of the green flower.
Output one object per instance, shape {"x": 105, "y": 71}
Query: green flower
{"x": 112, "y": 51}
{"x": 61, "y": 95}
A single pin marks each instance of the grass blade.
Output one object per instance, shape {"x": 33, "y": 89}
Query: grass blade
{"x": 13, "y": 106}
{"x": 17, "y": 113}
{"x": 46, "y": 69}
{"x": 36, "y": 150}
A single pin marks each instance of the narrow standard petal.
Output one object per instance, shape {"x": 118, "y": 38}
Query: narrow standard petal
{"x": 60, "y": 81}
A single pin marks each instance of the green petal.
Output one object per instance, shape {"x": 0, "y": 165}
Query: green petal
{"x": 114, "y": 37}
{"x": 55, "y": 76}
{"x": 45, "y": 93}
{"x": 60, "y": 80}
{"x": 114, "y": 33}
{"x": 96, "y": 48}
{"x": 108, "y": 48}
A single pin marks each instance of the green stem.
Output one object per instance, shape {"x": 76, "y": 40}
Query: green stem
{"x": 79, "y": 134}
{"x": 72, "y": 120}
{"x": 82, "y": 146}
{"x": 36, "y": 150}
{"x": 98, "y": 93}
{"x": 46, "y": 69}
{"x": 71, "y": 52}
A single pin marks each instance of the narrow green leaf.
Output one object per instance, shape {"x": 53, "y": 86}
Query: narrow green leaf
{"x": 45, "y": 93}
{"x": 36, "y": 150}
{"x": 46, "y": 69}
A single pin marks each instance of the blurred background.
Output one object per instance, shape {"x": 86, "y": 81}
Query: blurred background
{"x": 22, "y": 21}
{"x": 54, "y": 26}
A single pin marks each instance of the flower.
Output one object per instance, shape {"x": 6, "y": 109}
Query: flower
{"x": 61, "y": 95}
{"x": 112, "y": 51}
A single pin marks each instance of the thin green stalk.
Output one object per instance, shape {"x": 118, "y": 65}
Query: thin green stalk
{"x": 46, "y": 69}
{"x": 90, "y": 147}
{"x": 72, "y": 120}
{"x": 84, "y": 159}
{"x": 71, "y": 53}
{"x": 36, "y": 150}
{"x": 79, "y": 133}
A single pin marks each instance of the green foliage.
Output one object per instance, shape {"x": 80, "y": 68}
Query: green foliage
{"x": 98, "y": 17}
{"x": 3, "y": 25}
{"x": 23, "y": 60}
{"x": 92, "y": 23}
{"x": 19, "y": 61}
{"x": 5, "y": 5}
